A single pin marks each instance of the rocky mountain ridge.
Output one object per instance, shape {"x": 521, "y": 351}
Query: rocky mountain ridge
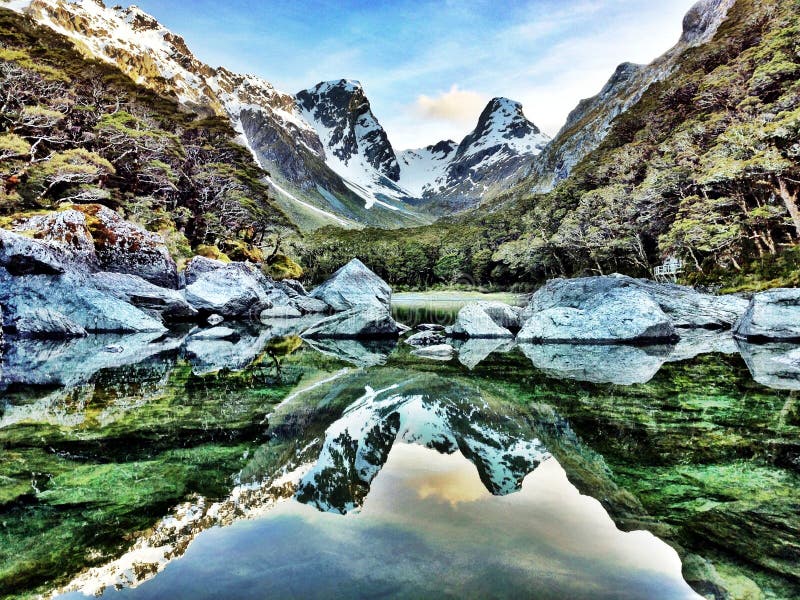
{"x": 329, "y": 159}
{"x": 590, "y": 121}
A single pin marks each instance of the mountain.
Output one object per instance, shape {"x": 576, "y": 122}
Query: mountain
{"x": 451, "y": 178}
{"x": 590, "y": 121}
{"x": 329, "y": 159}
{"x": 695, "y": 156}
{"x": 271, "y": 123}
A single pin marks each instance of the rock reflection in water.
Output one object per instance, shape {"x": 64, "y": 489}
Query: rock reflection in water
{"x": 776, "y": 365}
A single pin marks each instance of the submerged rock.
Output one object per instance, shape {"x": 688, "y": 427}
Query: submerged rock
{"x": 214, "y": 333}
{"x": 352, "y": 286}
{"x": 45, "y": 323}
{"x": 437, "y": 352}
{"x": 363, "y": 322}
{"x": 170, "y": 305}
{"x": 774, "y": 314}
{"x": 613, "y": 315}
{"x": 473, "y": 351}
{"x": 75, "y": 361}
{"x": 280, "y": 312}
{"x": 425, "y": 338}
{"x": 484, "y": 320}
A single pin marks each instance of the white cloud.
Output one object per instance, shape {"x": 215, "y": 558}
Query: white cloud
{"x": 456, "y": 106}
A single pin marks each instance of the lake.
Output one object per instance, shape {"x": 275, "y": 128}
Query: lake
{"x": 266, "y": 466}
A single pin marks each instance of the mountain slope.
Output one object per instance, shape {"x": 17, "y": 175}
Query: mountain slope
{"x": 78, "y": 131}
{"x": 285, "y": 143}
{"x": 590, "y": 121}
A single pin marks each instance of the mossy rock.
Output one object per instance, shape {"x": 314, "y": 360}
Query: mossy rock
{"x": 241, "y": 251}
{"x": 282, "y": 267}
{"x": 207, "y": 251}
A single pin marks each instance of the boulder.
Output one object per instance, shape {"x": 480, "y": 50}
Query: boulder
{"x": 476, "y": 321}
{"x": 75, "y": 296}
{"x": 300, "y": 299}
{"x": 685, "y": 306}
{"x": 20, "y": 255}
{"x": 234, "y": 291}
{"x": 773, "y": 315}
{"x": 363, "y": 322}
{"x": 199, "y": 265}
{"x": 430, "y": 327}
{"x": 352, "y": 286}
{"x": 122, "y": 247}
{"x": 437, "y": 352}
{"x": 618, "y": 314}
{"x": 215, "y": 333}
{"x": 425, "y": 338}
{"x": 45, "y": 323}
{"x": 67, "y": 231}
{"x": 215, "y": 319}
{"x": 170, "y": 305}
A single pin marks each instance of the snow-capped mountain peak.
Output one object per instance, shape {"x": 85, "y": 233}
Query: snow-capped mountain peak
{"x": 459, "y": 176}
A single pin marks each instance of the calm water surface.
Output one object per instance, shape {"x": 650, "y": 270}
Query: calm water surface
{"x": 267, "y": 467}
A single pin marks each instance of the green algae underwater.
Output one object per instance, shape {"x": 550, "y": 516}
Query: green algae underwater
{"x": 115, "y": 466}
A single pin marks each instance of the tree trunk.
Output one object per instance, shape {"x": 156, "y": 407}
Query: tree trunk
{"x": 790, "y": 200}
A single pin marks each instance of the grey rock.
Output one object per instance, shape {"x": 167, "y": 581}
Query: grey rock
{"x": 363, "y": 322}
{"x": 685, "y": 306}
{"x": 425, "y": 338}
{"x": 617, "y": 315}
{"x": 45, "y": 323}
{"x": 74, "y": 296}
{"x": 234, "y": 291}
{"x": 127, "y": 248}
{"x": 67, "y": 231}
{"x": 199, "y": 265}
{"x": 473, "y": 321}
{"x": 774, "y": 314}
{"x": 215, "y": 319}
{"x": 170, "y": 304}
{"x": 437, "y": 352}
{"x": 430, "y": 327}
{"x": 20, "y": 255}
{"x": 598, "y": 363}
{"x": 352, "y": 286}
{"x": 214, "y": 333}
{"x": 775, "y": 365}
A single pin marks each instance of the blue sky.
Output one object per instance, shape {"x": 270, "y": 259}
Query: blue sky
{"x": 428, "y": 68}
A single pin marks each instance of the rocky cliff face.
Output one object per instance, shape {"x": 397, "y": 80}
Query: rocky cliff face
{"x": 590, "y": 121}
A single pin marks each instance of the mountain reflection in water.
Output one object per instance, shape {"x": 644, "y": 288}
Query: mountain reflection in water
{"x": 276, "y": 466}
